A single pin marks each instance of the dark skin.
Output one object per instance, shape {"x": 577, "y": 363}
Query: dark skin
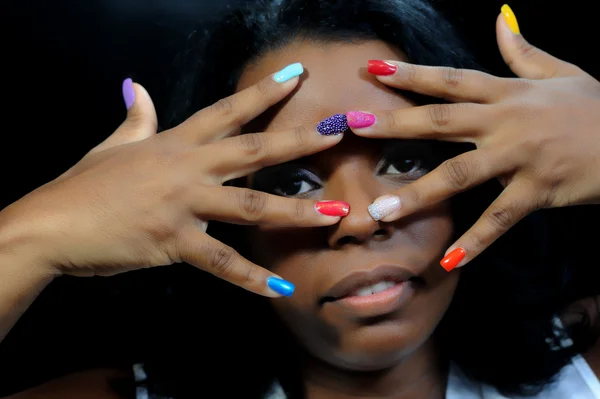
{"x": 347, "y": 357}
{"x": 396, "y": 350}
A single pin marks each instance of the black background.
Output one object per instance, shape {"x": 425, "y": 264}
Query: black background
{"x": 62, "y": 65}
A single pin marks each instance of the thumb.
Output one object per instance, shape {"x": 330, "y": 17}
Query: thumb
{"x": 525, "y": 60}
{"x": 141, "y": 121}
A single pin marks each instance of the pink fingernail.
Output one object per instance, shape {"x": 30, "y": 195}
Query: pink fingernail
{"x": 359, "y": 120}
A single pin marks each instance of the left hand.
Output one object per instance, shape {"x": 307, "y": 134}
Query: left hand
{"x": 539, "y": 134}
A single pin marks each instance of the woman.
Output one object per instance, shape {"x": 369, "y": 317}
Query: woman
{"x": 373, "y": 314}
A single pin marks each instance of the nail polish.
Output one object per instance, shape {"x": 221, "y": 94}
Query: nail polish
{"x": 281, "y": 286}
{"x": 359, "y": 120}
{"x": 452, "y": 260}
{"x": 128, "y": 93}
{"x": 333, "y": 125}
{"x": 510, "y": 19}
{"x": 381, "y": 68}
{"x": 289, "y": 72}
{"x": 384, "y": 206}
{"x": 333, "y": 208}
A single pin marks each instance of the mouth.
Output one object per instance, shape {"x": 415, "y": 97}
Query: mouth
{"x": 375, "y": 292}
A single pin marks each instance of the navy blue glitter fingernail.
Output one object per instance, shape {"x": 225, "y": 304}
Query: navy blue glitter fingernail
{"x": 336, "y": 124}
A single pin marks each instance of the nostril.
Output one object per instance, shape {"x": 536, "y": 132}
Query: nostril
{"x": 380, "y": 233}
{"x": 345, "y": 240}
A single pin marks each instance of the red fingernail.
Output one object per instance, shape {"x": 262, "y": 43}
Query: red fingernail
{"x": 333, "y": 208}
{"x": 381, "y": 68}
{"x": 452, "y": 260}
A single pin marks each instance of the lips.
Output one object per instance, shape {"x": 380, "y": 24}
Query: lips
{"x": 363, "y": 283}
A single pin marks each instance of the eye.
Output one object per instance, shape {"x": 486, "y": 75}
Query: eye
{"x": 405, "y": 161}
{"x": 287, "y": 181}
{"x": 293, "y": 187}
{"x": 402, "y": 166}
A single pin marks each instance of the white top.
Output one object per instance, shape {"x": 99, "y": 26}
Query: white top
{"x": 575, "y": 381}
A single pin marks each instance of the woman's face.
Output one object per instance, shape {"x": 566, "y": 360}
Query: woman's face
{"x": 368, "y": 294}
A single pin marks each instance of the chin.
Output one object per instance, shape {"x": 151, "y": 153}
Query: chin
{"x": 374, "y": 347}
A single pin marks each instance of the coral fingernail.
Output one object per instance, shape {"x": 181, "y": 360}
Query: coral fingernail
{"x": 452, "y": 260}
{"x": 510, "y": 19}
{"x": 384, "y": 206}
{"x": 334, "y": 125}
{"x": 359, "y": 120}
{"x": 381, "y": 68}
{"x": 333, "y": 208}
{"x": 281, "y": 286}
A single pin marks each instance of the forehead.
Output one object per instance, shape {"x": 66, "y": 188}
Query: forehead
{"x": 335, "y": 80}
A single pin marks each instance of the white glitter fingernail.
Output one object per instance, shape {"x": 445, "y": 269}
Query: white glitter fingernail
{"x": 384, "y": 206}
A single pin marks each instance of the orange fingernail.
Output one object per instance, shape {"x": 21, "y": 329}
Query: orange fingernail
{"x": 510, "y": 19}
{"x": 452, "y": 260}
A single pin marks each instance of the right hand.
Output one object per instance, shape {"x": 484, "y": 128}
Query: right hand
{"x": 141, "y": 199}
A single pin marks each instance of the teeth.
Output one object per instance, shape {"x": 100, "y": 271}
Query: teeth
{"x": 374, "y": 289}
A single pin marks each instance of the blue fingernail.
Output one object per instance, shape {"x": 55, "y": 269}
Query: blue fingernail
{"x": 336, "y": 124}
{"x": 289, "y": 72}
{"x": 281, "y": 286}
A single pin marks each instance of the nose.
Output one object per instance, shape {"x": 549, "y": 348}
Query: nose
{"x": 359, "y": 189}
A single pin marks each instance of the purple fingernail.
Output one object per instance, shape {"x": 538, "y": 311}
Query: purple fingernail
{"x": 336, "y": 124}
{"x": 128, "y": 93}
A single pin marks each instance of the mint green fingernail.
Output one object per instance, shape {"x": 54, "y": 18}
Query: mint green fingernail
{"x": 289, "y": 72}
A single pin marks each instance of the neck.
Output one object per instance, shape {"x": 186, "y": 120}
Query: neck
{"x": 420, "y": 376}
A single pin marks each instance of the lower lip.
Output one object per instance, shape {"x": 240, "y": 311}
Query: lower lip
{"x": 380, "y": 303}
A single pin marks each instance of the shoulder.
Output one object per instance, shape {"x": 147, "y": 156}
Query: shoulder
{"x": 93, "y": 384}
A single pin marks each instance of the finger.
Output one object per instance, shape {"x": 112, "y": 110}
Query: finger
{"x": 245, "y": 206}
{"x": 525, "y": 60}
{"x": 450, "y": 178}
{"x": 141, "y": 121}
{"x": 226, "y": 116}
{"x": 452, "y": 122}
{"x": 208, "y": 254}
{"x": 247, "y": 153}
{"x": 452, "y": 84}
{"x": 510, "y": 207}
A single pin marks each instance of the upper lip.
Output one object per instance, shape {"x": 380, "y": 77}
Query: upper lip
{"x": 359, "y": 279}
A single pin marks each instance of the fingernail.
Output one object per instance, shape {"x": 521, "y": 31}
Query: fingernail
{"x": 128, "y": 93}
{"x": 359, "y": 120}
{"x": 289, "y": 72}
{"x": 333, "y": 125}
{"x": 333, "y": 208}
{"x": 384, "y": 206}
{"x": 281, "y": 286}
{"x": 452, "y": 260}
{"x": 510, "y": 19}
{"x": 381, "y": 68}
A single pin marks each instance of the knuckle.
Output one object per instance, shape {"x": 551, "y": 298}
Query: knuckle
{"x": 224, "y": 107}
{"x": 456, "y": 173}
{"x": 451, "y": 77}
{"x": 223, "y": 260}
{"x": 411, "y": 72}
{"x": 263, "y": 88}
{"x": 300, "y": 210}
{"x": 300, "y": 136}
{"x": 253, "y": 204}
{"x": 500, "y": 217}
{"x": 391, "y": 122}
{"x": 526, "y": 50}
{"x": 440, "y": 116}
{"x": 252, "y": 145}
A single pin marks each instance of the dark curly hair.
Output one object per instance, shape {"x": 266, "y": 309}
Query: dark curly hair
{"x": 499, "y": 328}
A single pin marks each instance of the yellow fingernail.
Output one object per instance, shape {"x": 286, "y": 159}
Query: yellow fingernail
{"x": 510, "y": 19}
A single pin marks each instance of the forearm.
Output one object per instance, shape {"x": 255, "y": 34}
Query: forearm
{"x": 22, "y": 276}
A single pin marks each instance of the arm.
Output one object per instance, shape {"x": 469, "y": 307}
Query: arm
{"x": 22, "y": 274}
